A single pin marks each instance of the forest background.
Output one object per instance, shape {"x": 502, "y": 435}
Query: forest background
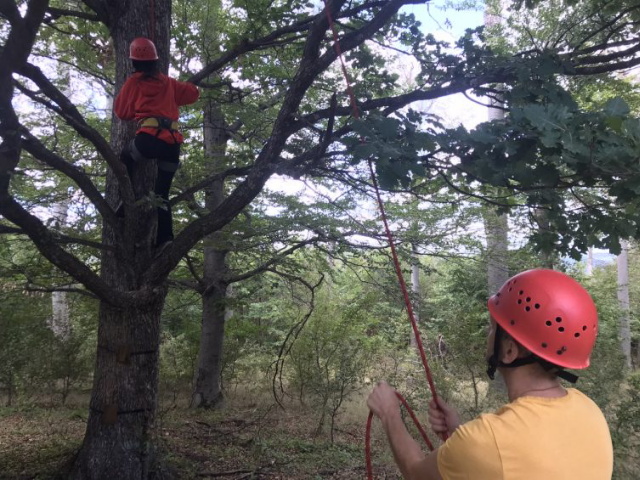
{"x": 247, "y": 349}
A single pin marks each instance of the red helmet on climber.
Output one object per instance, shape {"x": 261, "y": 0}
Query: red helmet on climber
{"x": 142, "y": 48}
{"x": 550, "y": 314}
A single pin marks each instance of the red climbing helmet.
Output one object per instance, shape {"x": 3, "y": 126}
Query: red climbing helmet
{"x": 142, "y": 49}
{"x": 550, "y": 314}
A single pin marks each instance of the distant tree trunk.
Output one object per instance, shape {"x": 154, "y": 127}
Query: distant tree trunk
{"x": 589, "y": 267}
{"x": 623, "y": 301}
{"x": 496, "y": 230}
{"x": 496, "y": 225}
{"x": 60, "y": 323}
{"x": 542, "y": 219}
{"x": 207, "y": 391}
{"x": 117, "y": 442}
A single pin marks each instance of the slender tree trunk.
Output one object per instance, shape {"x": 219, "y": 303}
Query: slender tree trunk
{"x": 623, "y": 301}
{"x": 496, "y": 225}
{"x": 496, "y": 228}
{"x": 589, "y": 267}
{"x": 60, "y": 323}
{"x": 542, "y": 220}
{"x": 207, "y": 391}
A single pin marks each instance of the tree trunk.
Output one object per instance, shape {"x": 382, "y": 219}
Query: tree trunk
{"x": 589, "y": 267}
{"x": 541, "y": 217}
{"x": 623, "y": 301}
{"x": 496, "y": 225}
{"x": 496, "y": 228}
{"x": 117, "y": 442}
{"x": 60, "y": 322}
{"x": 207, "y": 392}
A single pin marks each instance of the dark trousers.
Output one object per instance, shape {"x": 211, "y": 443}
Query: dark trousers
{"x": 168, "y": 156}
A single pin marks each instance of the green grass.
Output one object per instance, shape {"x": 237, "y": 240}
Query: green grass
{"x": 241, "y": 441}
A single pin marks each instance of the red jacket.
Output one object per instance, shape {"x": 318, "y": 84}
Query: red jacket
{"x": 159, "y": 96}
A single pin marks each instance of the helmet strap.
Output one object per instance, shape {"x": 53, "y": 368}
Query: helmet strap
{"x": 493, "y": 361}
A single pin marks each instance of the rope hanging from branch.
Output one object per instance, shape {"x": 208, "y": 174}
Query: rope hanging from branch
{"x": 394, "y": 254}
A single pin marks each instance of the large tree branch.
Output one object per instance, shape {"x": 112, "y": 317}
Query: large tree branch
{"x": 607, "y": 25}
{"x": 603, "y": 59}
{"x": 47, "y": 242}
{"x": 62, "y": 239}
{"x": 32, "y": 145}
{"x": 14, "y": 54}
{"x": 55, "y": 13}
{"x": 68, "y": 111}
{"x": 246, "y": 46}
{"x": 276, "y": 259}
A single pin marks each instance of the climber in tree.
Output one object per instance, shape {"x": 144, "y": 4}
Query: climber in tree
{"x": 152, "y": 100}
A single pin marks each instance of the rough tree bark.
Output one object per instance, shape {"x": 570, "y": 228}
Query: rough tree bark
{"x": 117, "y": 441}
{"x": 207, "y": 392}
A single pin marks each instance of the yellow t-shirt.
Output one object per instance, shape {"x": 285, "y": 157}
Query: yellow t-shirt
{"x": 532, "y": 438}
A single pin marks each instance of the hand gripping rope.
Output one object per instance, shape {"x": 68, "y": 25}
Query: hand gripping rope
{"x": 396, "y": 262}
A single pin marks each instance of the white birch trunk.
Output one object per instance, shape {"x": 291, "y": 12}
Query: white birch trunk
{"x": 60, "y": 322}
{"x": 589, "y": 267}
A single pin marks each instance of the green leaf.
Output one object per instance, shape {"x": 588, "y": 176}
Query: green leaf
{"x": 616, "y": 107}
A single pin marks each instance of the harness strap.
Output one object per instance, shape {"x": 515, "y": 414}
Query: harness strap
{"x": 493, "y": 363}
{"x": 159, "y": 122}
{"x": 135, "y": 153}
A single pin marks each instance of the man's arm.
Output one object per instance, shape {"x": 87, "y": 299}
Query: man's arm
{"x": 407, "y": 453}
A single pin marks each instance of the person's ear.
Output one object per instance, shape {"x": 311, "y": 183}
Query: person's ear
{"x": 509, "y": 350}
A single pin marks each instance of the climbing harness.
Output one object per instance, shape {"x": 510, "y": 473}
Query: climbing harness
{"x": 159, "y": 122}
{"x": 396, "y": 262}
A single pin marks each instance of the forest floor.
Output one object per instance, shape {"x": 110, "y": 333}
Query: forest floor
{"x": 245, "y": 440}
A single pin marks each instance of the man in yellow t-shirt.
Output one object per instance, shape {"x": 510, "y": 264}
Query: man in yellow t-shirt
{"x": 542, "y": 322}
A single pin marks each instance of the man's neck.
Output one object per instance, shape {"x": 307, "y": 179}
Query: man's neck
{"x": 521, "y": 382}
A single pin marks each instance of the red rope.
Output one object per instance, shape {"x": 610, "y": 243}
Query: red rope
{"x": 396, "y": 262}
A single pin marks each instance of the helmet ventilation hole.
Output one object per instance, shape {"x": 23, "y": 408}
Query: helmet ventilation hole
{"x": 527, "y": 308}
{"x": 562, "y": 350}
{"x": 528, "y": 299}
{"x": 519, "y": 301}
{"x": 559, "y": 319}
{"x": 544, "y": 345}
{"x": 584, "y": 328}
{"x": 577, "y": 335}
{"x": 549, "y": 323}
{"x": 536, "y": 306}
{"x": 521, "y": 292}
{"x": 561, "y": 329}
{"x": 512, "y": 322}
